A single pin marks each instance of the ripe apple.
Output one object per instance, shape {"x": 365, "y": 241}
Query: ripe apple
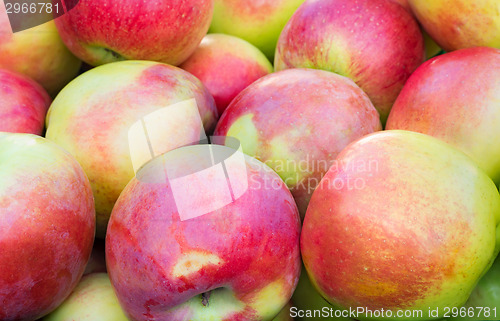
{"x": 484, "y": 302}
{"x": 457, "y": 24}
{"x": 47, "y": 223}
{"x": 104, "y": 31}
{"x": 38, "y": 53}
{"x": 306, "y": 298}
{"x": 296, "y": 121}
{"x": 92, "y": 116}
{"x": 170, "y": 259}
{"x": 23, "y": 104}
{"x": 417, "y": 231}
{"x": 455, "y": 97}
{"x": 376, "y": 43}
{"x": 226, "y": 65}
{"x": 93, "y": 299}
{"x": 258, "y": 22}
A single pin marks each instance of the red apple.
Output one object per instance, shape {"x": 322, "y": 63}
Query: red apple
{"x": 258, "y": 22}
{"x": 104, "y": 31}
{"x": 226, "y": 65}
{"x": 404, "y": 223}
{"x": 458, "y": 24}
{"x": 38, "y": 53}
{"x": 47, "y": 224}
{"x": 23, "y": 104}
{"x": 93, "y": 116}
{"x": 456, "y": 97}
{"x": 376, "y": 43}
{"x": 173, "y": 255}
{"x": 296, "y": 121}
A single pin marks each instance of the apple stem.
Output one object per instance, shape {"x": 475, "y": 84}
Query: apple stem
{"x": 204, "y": 298}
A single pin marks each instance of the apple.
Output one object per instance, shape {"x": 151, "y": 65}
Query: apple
{"x": 105, "y": 31}
{"x": 97, "y": 261}
{"x": 38, "y": 53}
{"x": 457, "y": 24}
{"x": 197, "y": 244}
{"x": 376, "y": 43}
{"x": 47, "y": 223}
{"x": 92, "y": 116}
{"x": 306, "y": 298}
{"x": 258, "y": 22}
{"x": 23, "y": 104}
{"x": 404, "y": 222}
{"x": 484, "y": 302}
{"x": 455, "y": 97}
{"x": 226, "y": 65}
{"x": 431, "y": 47}
{"x": 296, "y": 121}
{"x": 93, "y": 299}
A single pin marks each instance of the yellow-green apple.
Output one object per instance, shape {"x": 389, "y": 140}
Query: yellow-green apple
{"x": 91, "y": 118}
{"x": 104, "y": 31}
{"x": 376, "y": 43}
{"x": 431, "y": 47}
{"x": 309, "y": 305}
{"x": 47, "y": 225}
{"x": 416, "y": 231}
{"x": 23, "y": 104}
{"x": 284, "y": 314}
{"x": 92, "y": 299}
{"x": 226, "y": 65}
{"x": 456, "y": 97}
{"x": 297, "y": 121}
{"x": 457, "y": 24}
{"x": 258, "y": 22}
{"x": 97, "y": 261}
{"x": 38, "y": 53}
{"x": 169, "y": 258}
{"x": 484, "y": 302}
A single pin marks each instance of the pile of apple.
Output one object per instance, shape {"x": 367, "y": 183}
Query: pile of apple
{"x": 325, "y": 155}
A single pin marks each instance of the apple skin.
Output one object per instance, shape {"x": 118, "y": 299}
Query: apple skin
{"x": 92, "y": 115}
{"x": 376, "y": 43}
{"x": 226, "y": 65}
{"x": 104, "y": 31}
{"x": 457, "y": 24}
{"x": 23, "y": 104}
{"x": 258, "y": 22}
{"x": 303, "y": 116}
{"x": 245, "y": 254}
{"x": 306, "y": 297}
{"x": 455, "y": 97}
{"x": 47, "y": 224}
{"x": 424, "y": 244}
{"x": 92, "y": 299}
{"x": 486, "y": 294}
{"x": 38, "y": 53}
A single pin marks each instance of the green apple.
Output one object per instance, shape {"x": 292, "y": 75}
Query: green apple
{"x": 92, "y": 299}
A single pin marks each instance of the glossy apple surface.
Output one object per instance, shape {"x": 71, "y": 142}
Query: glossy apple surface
{"x": 458, "y": 24}
{"x": 23, "y": 104}
{"x": 455, "y": 97}
{"x": 226, "y": 65}
{"x": 376, "y": 43}
{"x": 93, "y": 299}
{"x": 297, "y": 121}
{"x": 238, "y": 262}
{"x": 92, "y": 116}
{"x": 104, "y": 31}
{"x": 417, "y": 230}
{"x": 47, "y": 225}
{"x": 258, "y": 22}
{"x": 38, "y": 53}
